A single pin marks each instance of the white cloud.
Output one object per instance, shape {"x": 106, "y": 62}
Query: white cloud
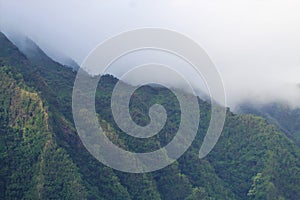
{"x": 254, "y": 43}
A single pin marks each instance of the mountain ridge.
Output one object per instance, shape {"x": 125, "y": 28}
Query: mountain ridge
{"x": 285, "y": 117}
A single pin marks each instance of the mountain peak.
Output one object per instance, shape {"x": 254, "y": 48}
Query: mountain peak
{"x": 36, "y": 54}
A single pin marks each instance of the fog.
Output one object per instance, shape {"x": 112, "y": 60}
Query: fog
{"x": 255, "y": 44}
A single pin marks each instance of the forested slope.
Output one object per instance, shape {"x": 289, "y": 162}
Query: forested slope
{"x": 42, "y": 156}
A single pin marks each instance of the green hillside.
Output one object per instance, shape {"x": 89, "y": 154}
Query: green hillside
{"x": 280, "y": 114}
{"x": 42, "y": 156}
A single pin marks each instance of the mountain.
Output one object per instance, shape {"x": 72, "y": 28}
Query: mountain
{"x": 42, "y": 156}
{"x": 37, "y": 56}
{"x": 286, "y": 118}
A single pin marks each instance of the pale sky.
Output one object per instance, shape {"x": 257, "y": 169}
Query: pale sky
{"x": 255, "y": 44}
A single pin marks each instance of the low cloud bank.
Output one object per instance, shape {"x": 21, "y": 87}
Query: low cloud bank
{"x": 254, "y": 44}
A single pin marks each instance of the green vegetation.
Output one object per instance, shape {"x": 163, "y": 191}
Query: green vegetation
{"x": 281, "y": 115}
{"x": 42, "y": 156}
{"x": 32, "y": 165}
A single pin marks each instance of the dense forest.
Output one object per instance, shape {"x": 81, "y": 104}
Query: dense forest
{"x": 280, "y": 114}
{"x": 42, "y": 156}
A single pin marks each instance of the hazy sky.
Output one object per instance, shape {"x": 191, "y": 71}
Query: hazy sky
{"x": 254, "y": 43}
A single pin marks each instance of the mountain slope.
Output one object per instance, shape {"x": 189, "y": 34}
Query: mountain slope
{"x": 36, "y": 55}
{"x": 257, "y": 160}
{"x": 32, "y": 159}
{"x": 279, "y": 114}
{"x": 252, "y": 160}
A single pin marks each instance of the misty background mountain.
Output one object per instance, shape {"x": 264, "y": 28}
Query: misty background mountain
{"x": 33, "y": 52}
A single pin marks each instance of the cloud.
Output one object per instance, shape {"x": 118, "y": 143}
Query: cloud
{"x": 254, "y": 43}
